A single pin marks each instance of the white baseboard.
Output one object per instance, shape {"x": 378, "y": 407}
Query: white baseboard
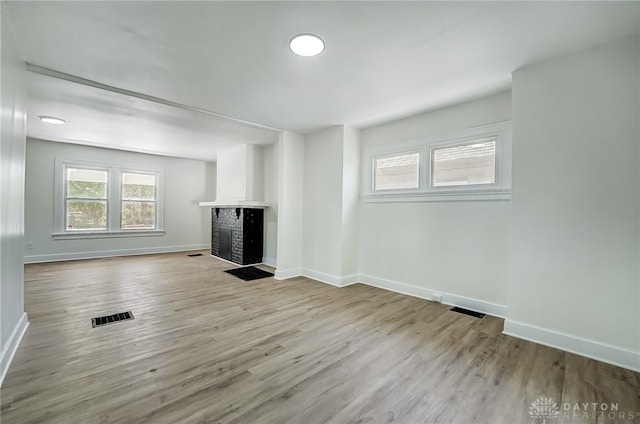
{"x": 283, "y": 274}
{"x": 348, "y": 280}
{"x": 588, "y": 348}
{"x": 11, "y": 347}
{"x": 477, "y": 305}
{"x": 334, "y": 280}
{"x": 270, "y": 262}
{"x": 111, "y": 253}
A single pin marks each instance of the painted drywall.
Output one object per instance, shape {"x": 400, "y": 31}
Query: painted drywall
{"x": 574, "y": 262}
{"x": 458, "y": 248}
{"x": 185, "y": 184}
{"x": 290, "y": 204}
{"x": 210, "y": 189}
{"x": 323, "y": 201}
{"x": 270, "y": 181}
{"x": 232, "y": 174}
{"x": 255, "y": 173}
{"x": 331, "y": 193}
{"x": 240, "y": 172}
{"x": 13, "y": 319}
{"x": 350, "y": 201}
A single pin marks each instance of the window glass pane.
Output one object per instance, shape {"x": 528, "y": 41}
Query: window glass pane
{"x": 86, "y": 215}
{"x": 86, "y": 183}
{"x": 466, "y": 164}
{"x": 138, "y": 186}
{"x": 138, "y": 215}
{"x": 397, "y": 172}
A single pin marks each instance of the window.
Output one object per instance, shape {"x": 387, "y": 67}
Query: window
{"x": 86, "y": 199}
{"x": 464, "y": 164}
{"x": 106, "y": 200}
{"x": 473, "y": 164}
{"x": 138, "y": 201}
{"x": 397, "y": 172}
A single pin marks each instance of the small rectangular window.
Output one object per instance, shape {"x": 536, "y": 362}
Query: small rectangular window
{"x": 138, "y": 201}
{"x": 397, "y": 172}
{"x": 471, "y": 163}
{"x": 86, "y": 199}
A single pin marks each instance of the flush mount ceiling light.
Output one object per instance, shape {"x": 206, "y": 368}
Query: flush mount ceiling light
{"x": 306, "y": 45}
{"x": 52, "y": 120}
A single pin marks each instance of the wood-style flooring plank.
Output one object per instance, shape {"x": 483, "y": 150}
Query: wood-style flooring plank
{"x": 206, "y": 347}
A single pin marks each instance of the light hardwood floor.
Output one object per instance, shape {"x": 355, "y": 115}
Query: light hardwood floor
{"x": 207, "y": 347}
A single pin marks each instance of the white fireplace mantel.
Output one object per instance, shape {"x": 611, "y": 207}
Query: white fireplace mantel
{"x": 235, "y": 204}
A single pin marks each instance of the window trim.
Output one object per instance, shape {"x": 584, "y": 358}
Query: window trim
{"x": 122, "y": 199}
{"x": 388, "y": 155}
{"x": 65, "y": 194}
{"x": 463, "y": 142}
{"x": 500, "y": 190}
{"x": 114, "y": 200}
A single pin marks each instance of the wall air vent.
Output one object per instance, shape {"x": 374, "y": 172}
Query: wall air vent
{"x": 468, "y": 312}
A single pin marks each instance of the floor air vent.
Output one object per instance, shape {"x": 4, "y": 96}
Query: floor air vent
{"x": 110, "y": 319}
{"x": 468, "y": 312}
{"x": 195, "y": 254}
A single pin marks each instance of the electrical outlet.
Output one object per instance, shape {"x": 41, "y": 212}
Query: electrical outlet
{"x": 29, "y": 246}
{"x": 436, "y": 297}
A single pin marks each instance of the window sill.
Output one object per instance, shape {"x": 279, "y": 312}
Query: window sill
{"x": 438, "y": 196}
{"x": 106, "y": 234}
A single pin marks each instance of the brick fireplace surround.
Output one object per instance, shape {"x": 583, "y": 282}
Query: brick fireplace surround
{"x": 237, "y": 234}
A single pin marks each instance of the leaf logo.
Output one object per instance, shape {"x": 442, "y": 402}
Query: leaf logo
{"x": 544, "y": 408}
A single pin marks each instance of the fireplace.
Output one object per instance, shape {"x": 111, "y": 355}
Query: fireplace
{"x": 225, "y": 249}
{"x": 237, "y": 234}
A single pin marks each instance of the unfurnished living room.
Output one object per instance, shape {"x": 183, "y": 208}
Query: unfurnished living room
{"x": 320, "y": 212}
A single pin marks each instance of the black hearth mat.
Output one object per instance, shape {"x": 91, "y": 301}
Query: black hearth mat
{"x": 249, "y": 273}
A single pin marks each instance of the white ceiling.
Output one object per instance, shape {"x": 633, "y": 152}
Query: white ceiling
{"x": 383, "y": 60}
{"x": 106, "y": 119}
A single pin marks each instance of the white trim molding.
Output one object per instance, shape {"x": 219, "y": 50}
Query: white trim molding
{"x": 113, "y": 199}
{"x": 285, "y": 274}
{"x": 443, "y": 196}
{"x": 333, "y": 280}
{"x": 483, "y": 306}
{"x": 11, "y": 347}
{"x": 107, "y": 234}
{"x": 489, "y": 308}
{"x": 584, "y": 347}
{"x": 111, "y": 253}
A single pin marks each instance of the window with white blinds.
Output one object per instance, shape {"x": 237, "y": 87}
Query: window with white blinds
{"x": 473, "y": 164}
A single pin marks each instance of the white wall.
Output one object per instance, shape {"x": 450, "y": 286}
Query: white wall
{"x": 232, "y": 174}
{"x": 290, "y": 202}
{"x": 576, "y": 192}
{"x": 13, "y": 319}
{"x": 331, "y": 193}
{"x": 210, "y": 188}
{"x": 456, "y": 248}
{"x": 240, "y": 174}
{"x": 350, "y": 201}
{"x": 255, "y": 173}
{"x": 270, "y": 173}
{"x": 322, "y": 225}
{"x": 186, "y": 183}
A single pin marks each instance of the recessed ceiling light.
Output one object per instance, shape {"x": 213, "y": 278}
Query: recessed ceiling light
{"x": 52, "y": 120}
{"x": 306, "y": 45}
